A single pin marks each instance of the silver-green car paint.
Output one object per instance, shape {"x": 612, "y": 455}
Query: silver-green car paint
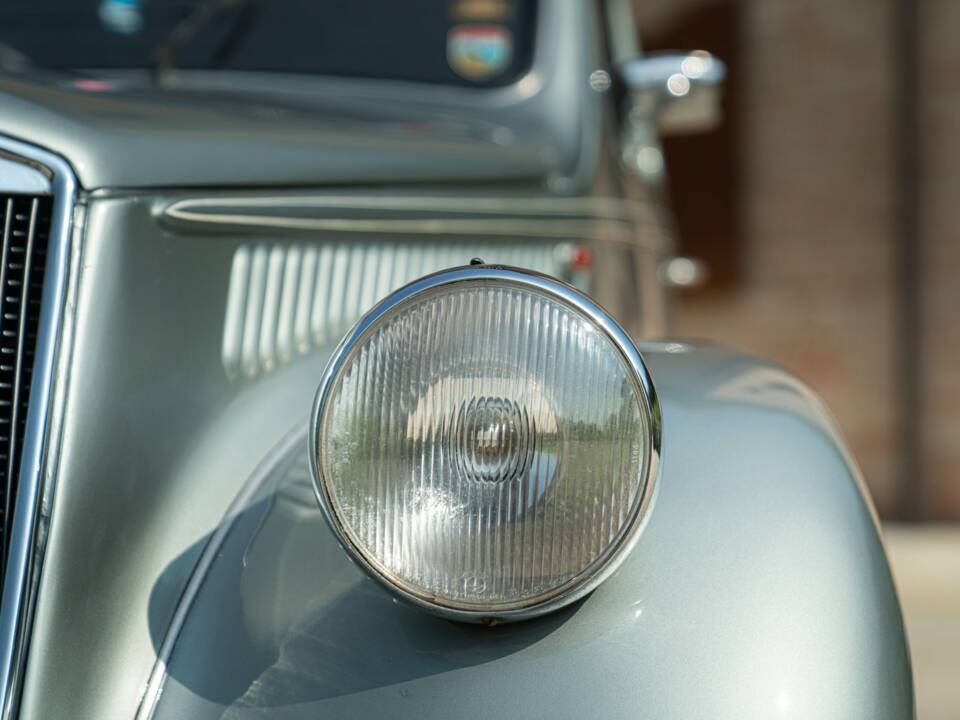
{"x": 759, "y": 589}
{"x": 185, "y": 572}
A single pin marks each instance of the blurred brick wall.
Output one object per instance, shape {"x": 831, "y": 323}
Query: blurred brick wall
{"x": 816, "y": 292}
{"x": 940, "y": 126}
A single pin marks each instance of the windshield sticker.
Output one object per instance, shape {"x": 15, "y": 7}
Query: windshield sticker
{"x": 479, "y": 52}
{"x": 482, "y": 10}
{"x": 121, "y": 16}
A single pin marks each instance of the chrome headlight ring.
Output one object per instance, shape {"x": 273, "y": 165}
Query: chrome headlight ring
{"x": 488, "y": 434}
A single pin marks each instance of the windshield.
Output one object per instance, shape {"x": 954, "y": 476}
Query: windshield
{"x": 461, "y": 42}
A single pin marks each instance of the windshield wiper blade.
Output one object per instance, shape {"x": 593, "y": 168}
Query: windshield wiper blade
{"x": 164, "y": 55}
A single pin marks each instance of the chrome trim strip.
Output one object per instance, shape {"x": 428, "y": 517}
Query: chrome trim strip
{"x": 538, "y": 217}
{"x": 261, "y": 473}
{"x": 614, "y": 219}
{"x": 621, "y": 340}
{"x": 601, "y": 207}
{"x": 25, "y": 556}
{"x": 433, "y": 226}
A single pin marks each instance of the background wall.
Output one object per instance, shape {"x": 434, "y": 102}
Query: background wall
{"x": 819, "y": 192}
{"x": 940, "y": 206}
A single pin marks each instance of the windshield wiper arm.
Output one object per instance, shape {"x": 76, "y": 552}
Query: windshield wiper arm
{"x": 13, "y": 59}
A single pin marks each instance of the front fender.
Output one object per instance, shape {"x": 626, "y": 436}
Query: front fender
{"x": 760, "y": 588}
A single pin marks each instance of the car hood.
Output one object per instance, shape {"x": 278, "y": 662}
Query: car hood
{"x": 198, "y": 131}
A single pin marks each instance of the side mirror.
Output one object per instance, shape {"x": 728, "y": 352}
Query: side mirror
{"x": 679, "y": 92}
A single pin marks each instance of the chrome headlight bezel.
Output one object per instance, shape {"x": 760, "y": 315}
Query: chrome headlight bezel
{"x": 613, "y": 556}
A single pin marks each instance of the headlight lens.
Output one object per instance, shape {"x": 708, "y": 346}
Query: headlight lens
{"x": 485, "y": 442}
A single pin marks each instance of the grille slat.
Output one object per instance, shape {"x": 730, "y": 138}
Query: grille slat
{"x": 25, "y": 222}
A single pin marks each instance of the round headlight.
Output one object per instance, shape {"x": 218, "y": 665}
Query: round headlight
{"x": 485, "y": 443}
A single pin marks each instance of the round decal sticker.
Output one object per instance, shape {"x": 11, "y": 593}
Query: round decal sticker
{"x": 479, "y": 52}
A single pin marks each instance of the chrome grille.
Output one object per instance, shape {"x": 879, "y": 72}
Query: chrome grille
{"x": 25, "y": 222}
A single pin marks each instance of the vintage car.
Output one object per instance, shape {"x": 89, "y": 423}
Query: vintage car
{"x": 333, "y": 383}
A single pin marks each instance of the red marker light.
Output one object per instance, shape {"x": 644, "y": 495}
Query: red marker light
{"x": 89, "y": 85}
{"x": 581, "y": 258}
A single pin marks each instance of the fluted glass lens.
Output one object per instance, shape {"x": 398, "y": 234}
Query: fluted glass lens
{"x": 484, "y": 446}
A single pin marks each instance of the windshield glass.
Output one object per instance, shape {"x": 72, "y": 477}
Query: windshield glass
{"x": 461, "y": 42}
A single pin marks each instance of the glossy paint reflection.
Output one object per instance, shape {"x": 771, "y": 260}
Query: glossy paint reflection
{"x": 293, "y": 621}
{"x": 758, "y": 590}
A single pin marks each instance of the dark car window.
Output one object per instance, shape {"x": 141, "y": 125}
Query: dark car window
{"x": 472, "y": 42}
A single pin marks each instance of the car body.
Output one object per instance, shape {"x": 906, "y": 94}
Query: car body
{"x": 211, "y": 235}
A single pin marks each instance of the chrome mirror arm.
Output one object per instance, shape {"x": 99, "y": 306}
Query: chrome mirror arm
{"x": 667, "y": 93}
{"x": 679, "y": 91}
